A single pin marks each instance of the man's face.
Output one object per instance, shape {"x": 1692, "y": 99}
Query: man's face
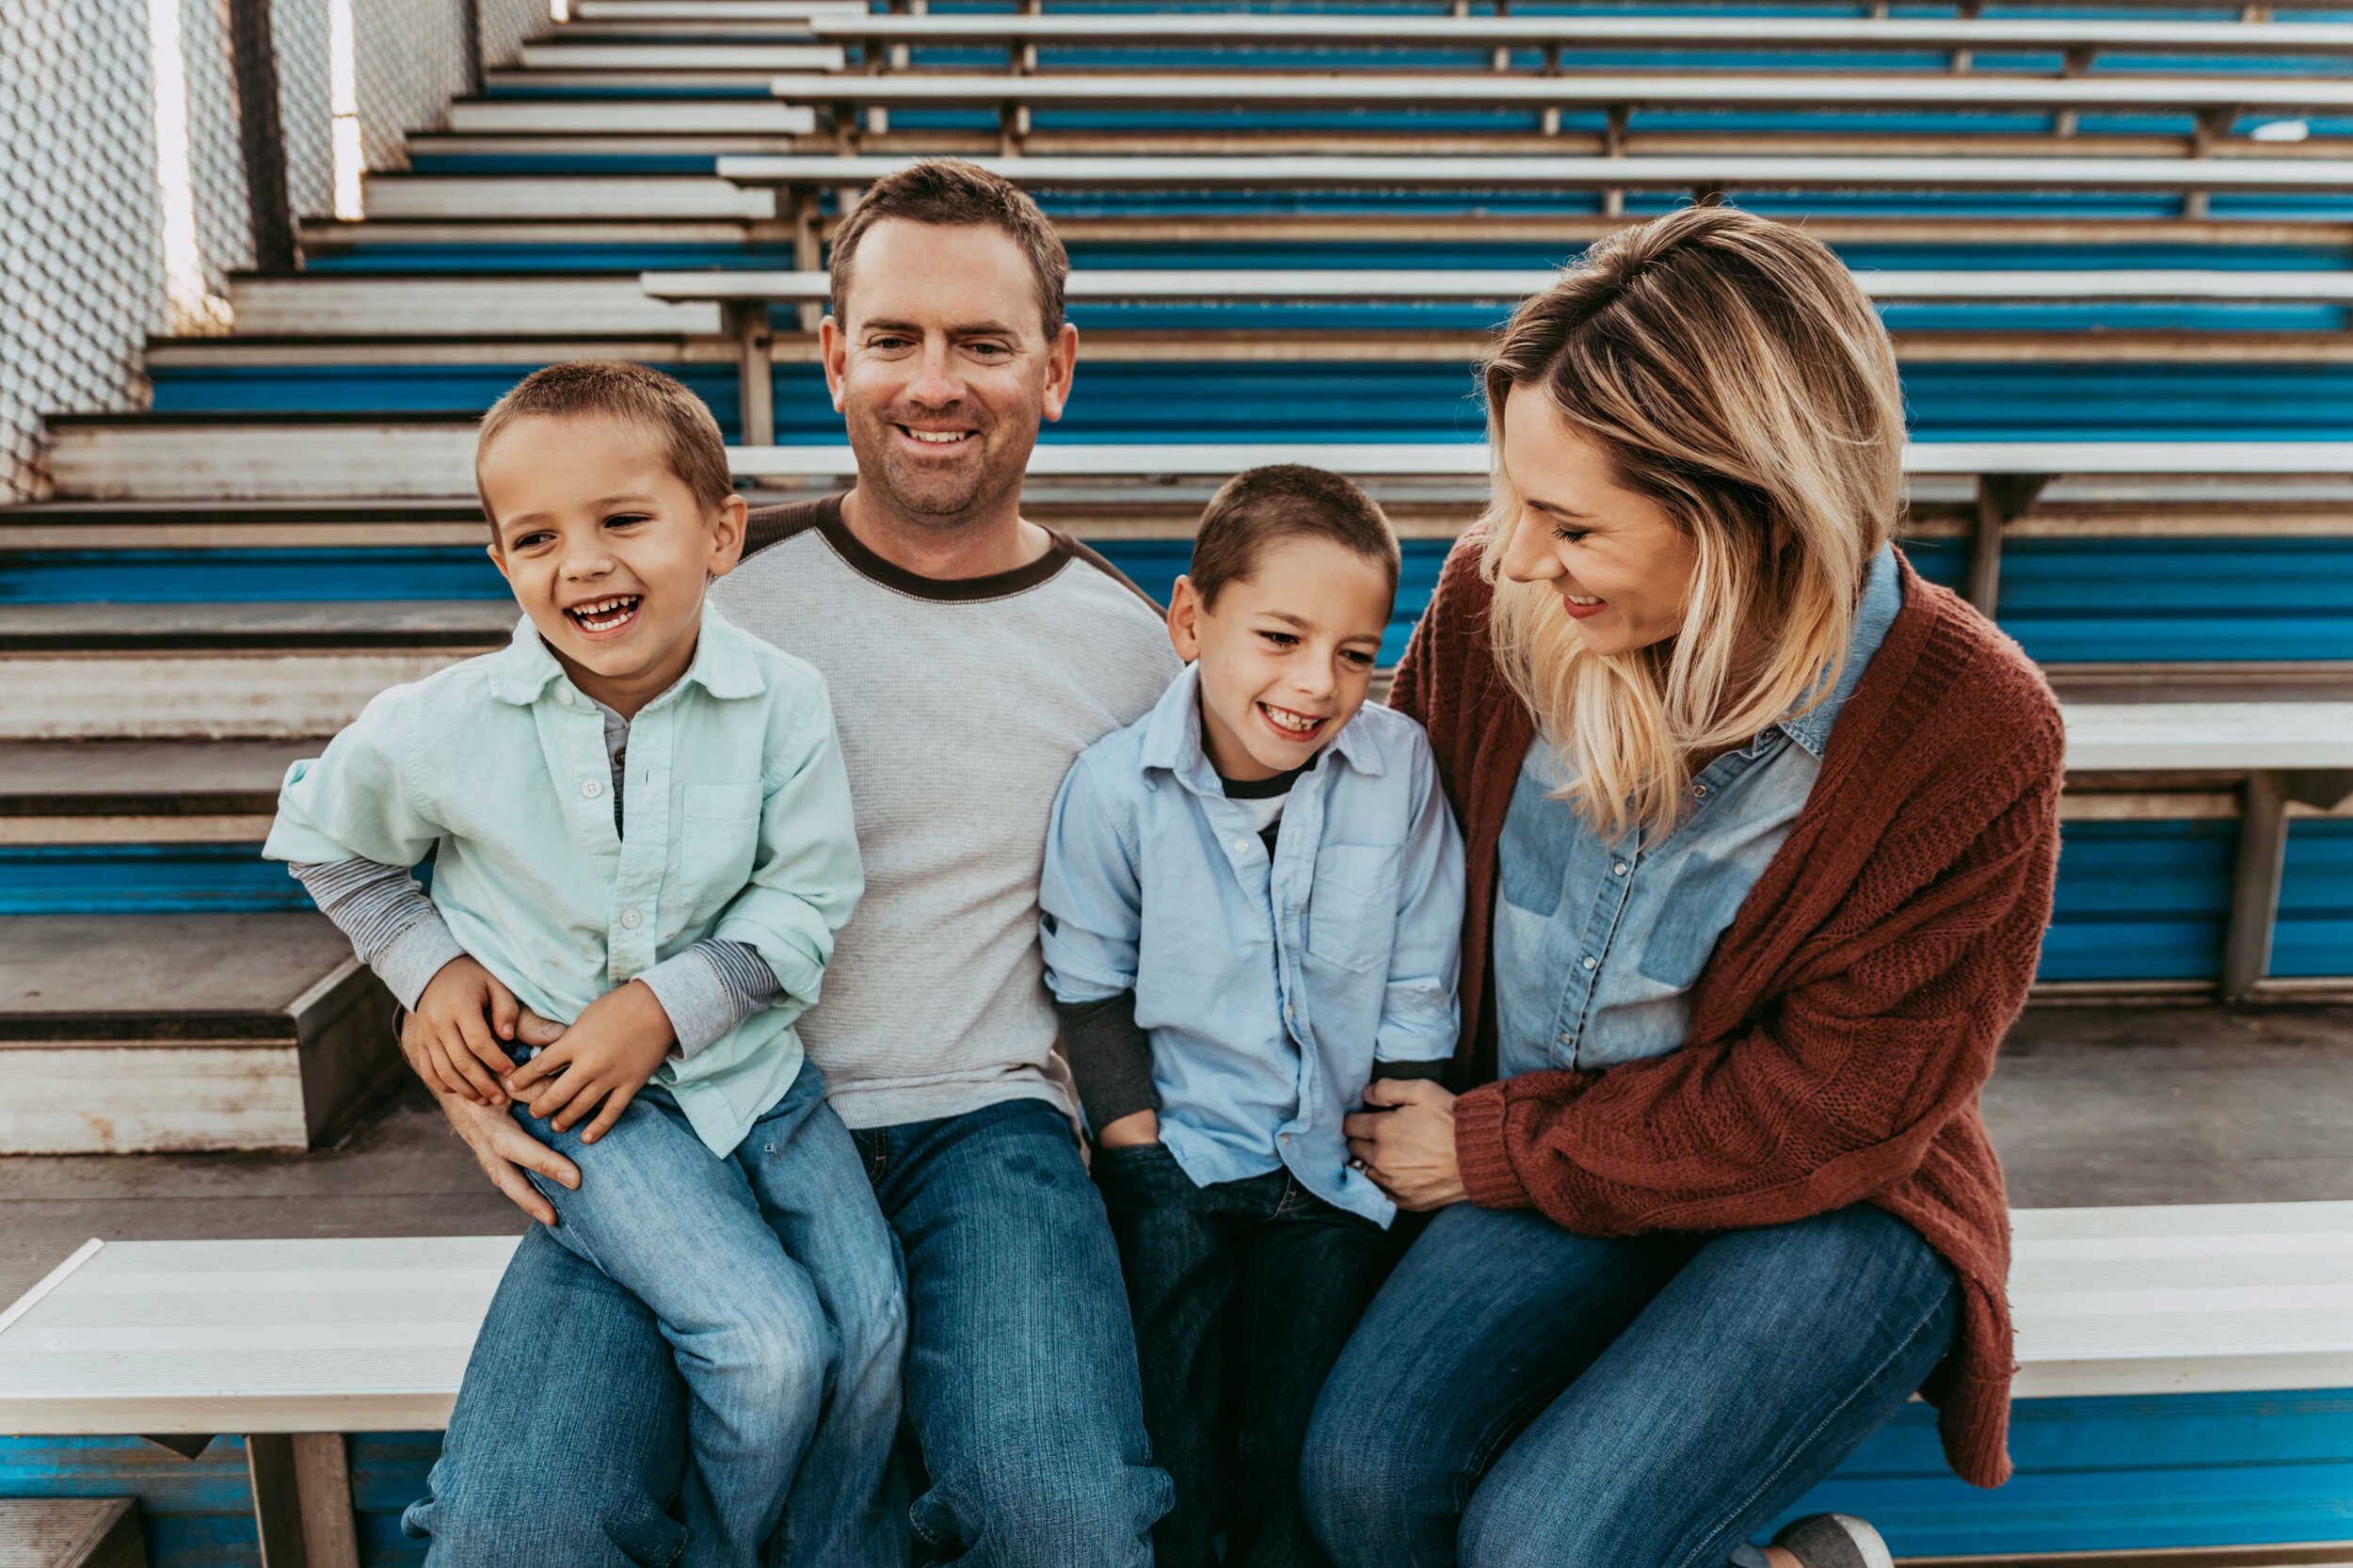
{"x": 942, "y": 369}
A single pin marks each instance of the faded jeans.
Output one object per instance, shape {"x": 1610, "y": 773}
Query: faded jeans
{"x": 1520, "y": 1397}
{"x": 567, "y": 1448}
{"x": 775, "y": 1283}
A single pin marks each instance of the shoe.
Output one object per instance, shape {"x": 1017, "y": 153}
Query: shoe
{"x": 1834, "y": 1541}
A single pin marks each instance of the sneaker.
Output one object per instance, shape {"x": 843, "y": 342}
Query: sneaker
{"x": 1834, "y": 1541}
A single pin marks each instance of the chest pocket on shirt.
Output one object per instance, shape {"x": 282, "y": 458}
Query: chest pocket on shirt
{"x": 1700, "y": 904}
{"x": 718, "y": 838}
{"x": 1351, "y": 912}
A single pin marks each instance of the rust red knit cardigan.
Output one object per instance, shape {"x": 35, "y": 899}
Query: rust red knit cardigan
{"x": 1842, "y": 1030}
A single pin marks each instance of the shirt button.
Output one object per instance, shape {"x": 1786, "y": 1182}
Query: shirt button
{"x": 591, "y": 787}
{"x": 1568, "y": 1039}
{"x": 1619, "y": 869}
{"x": 1699, "y": 791}
{"x": 629, "y": 918}
{"x": 1241, "y": 846}
{"x": 1592, "y": 962}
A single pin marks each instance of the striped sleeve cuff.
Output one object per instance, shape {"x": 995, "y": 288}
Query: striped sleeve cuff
{"x": 708, "y": 989}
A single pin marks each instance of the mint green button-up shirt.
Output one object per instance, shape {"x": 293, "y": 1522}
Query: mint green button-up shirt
{"x": 739, "y": 827}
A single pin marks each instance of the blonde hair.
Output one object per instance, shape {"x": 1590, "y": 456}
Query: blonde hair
{"x": 1734, "y": 373}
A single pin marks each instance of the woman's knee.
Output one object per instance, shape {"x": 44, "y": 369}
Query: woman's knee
{"x": 1042, "y": 1506}
{"x": 1367, "y": 1493}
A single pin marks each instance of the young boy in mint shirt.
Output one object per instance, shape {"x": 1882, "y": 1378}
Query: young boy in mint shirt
{"x": 1253, "y": 900}
{"x": 640, "y": 828}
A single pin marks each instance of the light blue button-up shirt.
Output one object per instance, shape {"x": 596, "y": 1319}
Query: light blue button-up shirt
{"x": 738, "y": 828}
{"x": 1268, "y": 986}
{"x": 1598, "y": 945}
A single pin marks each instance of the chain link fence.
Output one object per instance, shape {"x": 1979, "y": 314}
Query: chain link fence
{"x": 125, "y": 195}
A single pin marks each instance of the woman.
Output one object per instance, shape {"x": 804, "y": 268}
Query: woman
{"x": 1762, "y": 831}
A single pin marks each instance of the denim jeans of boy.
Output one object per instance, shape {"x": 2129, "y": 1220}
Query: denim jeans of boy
{"x": 1519, "y": 1397}
{"x": 775, "y": 1284}
{"x": 566, "y": 1449}
{"x": 1243, "y": 1293}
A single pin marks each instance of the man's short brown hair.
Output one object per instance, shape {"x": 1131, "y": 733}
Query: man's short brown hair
{"x": 1263, "y": 507}
{"x": 691, "y": 447}
{"x": 952, "y": 193}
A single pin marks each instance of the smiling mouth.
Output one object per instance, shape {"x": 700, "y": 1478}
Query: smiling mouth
{"x": 944, "y": 440}
{"x": 1290, "y": 725}
{"x": 605, "y": 617}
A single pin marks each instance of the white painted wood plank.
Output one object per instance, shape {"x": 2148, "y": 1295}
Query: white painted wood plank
{"x": 1809, "y": 89}
{"x": 2168, "y": 1222}
{"x": 1173, "y": 284}
{"x": 1716, "y": 30}
{"x": 1660, "y": 171}
{"x": 323, "y": 304}
{"x": 626, "y": 117}
{"x": 558, "y": 196}
{"x": 2126, "y": 737}
{"x": 715, "y": 10}
{"x": 126, "y": 1099}
{"x": 183, "y": 696}
{"x": 561, "y": 55}
{"x": 262, "y": 461}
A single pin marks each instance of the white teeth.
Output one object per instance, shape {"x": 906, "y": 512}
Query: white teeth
{"x": 1573, "y": 600}
{"x": 937, "y": 438}
{"x": 1288, "y": 720}
{"x": 616, "y": 612}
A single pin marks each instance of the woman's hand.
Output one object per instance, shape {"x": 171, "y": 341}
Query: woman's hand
{"x": 1407, "y": 1141}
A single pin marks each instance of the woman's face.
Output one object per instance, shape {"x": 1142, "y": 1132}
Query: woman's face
{"x": 1622, "y": 567}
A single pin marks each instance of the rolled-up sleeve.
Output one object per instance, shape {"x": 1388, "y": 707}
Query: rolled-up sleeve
{"x": 1420, "y": 1018}
{"x": 1089, "y": 898}
{"x": 807, "y": 878}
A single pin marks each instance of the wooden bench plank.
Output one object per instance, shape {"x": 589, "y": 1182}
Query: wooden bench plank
{"x": 1787, "y": 90}
{"x": 70, "y": 1532}
{"x": 1650, "y": 172}
{"x": 318, "y": 1335}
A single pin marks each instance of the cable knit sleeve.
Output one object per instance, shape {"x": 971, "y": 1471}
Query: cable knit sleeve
{"x": 1877, "y": 1034}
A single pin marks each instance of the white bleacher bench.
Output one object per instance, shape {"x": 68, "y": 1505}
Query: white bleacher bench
{"x": 292, "y": 1343}
{"x": 1918, "y": 90}
{"x": 743, "y": 297}
{"x": 2076, "y": 36}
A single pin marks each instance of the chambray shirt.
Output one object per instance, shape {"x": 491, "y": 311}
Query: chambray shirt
{"x": 1269, "y": 985}
{"x": 1598, "y": 945}
{"x": 738, "y": 828}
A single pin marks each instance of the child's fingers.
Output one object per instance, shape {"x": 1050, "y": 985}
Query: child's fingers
{"x": 438, "y": 1072}
{"x": 466, "y": 1073}
{"x": 582, "y": 1101}
{"x": 505, "y": 1011}
{"x": 544, "y": 1065}
{"x": 615, "y": 1104}
{"x": 559, "y": 1092}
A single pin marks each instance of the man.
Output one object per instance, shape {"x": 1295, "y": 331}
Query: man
{"x": 972, "y": 655}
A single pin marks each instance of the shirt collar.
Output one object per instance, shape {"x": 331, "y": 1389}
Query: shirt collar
{"x": 1875, "y": 612}
{"x": 724, "y": 664}
{"x": 1172, "y": 737}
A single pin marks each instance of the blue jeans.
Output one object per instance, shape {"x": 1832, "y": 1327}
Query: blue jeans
{"x": 1519, "y": 1397}
{"x": 774, "y": 1281}
{"x": 1020, "y": 1381}
{"x": 1243, "y": 1293}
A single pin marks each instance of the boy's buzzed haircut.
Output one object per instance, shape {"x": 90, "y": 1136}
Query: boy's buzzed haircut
{"x": 691, "y": 447}
{"x": 1263, "y": 507}
{"x": 952, "y": 193}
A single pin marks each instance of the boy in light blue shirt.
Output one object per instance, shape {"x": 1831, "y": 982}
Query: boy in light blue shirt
{"x": 640, "y": 828}
{"x": 1253, "y": 901}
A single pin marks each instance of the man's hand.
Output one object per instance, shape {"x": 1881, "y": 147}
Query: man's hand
{"x": 1405, "y": 1144}
{"x": 459, "y": 1023}
{"x": 607, "y": 1055}
{"x": 501, "y": 1146}
{"x": 1137, "y": 1127}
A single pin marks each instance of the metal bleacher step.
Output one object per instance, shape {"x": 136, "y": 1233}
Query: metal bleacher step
{"x": 70, "y": 1532}
{"x": 127, "y": 1033}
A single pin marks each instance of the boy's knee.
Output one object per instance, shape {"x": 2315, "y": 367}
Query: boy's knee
{"x": 466, "y": 1529}
{"x": 775, "y": 1363}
